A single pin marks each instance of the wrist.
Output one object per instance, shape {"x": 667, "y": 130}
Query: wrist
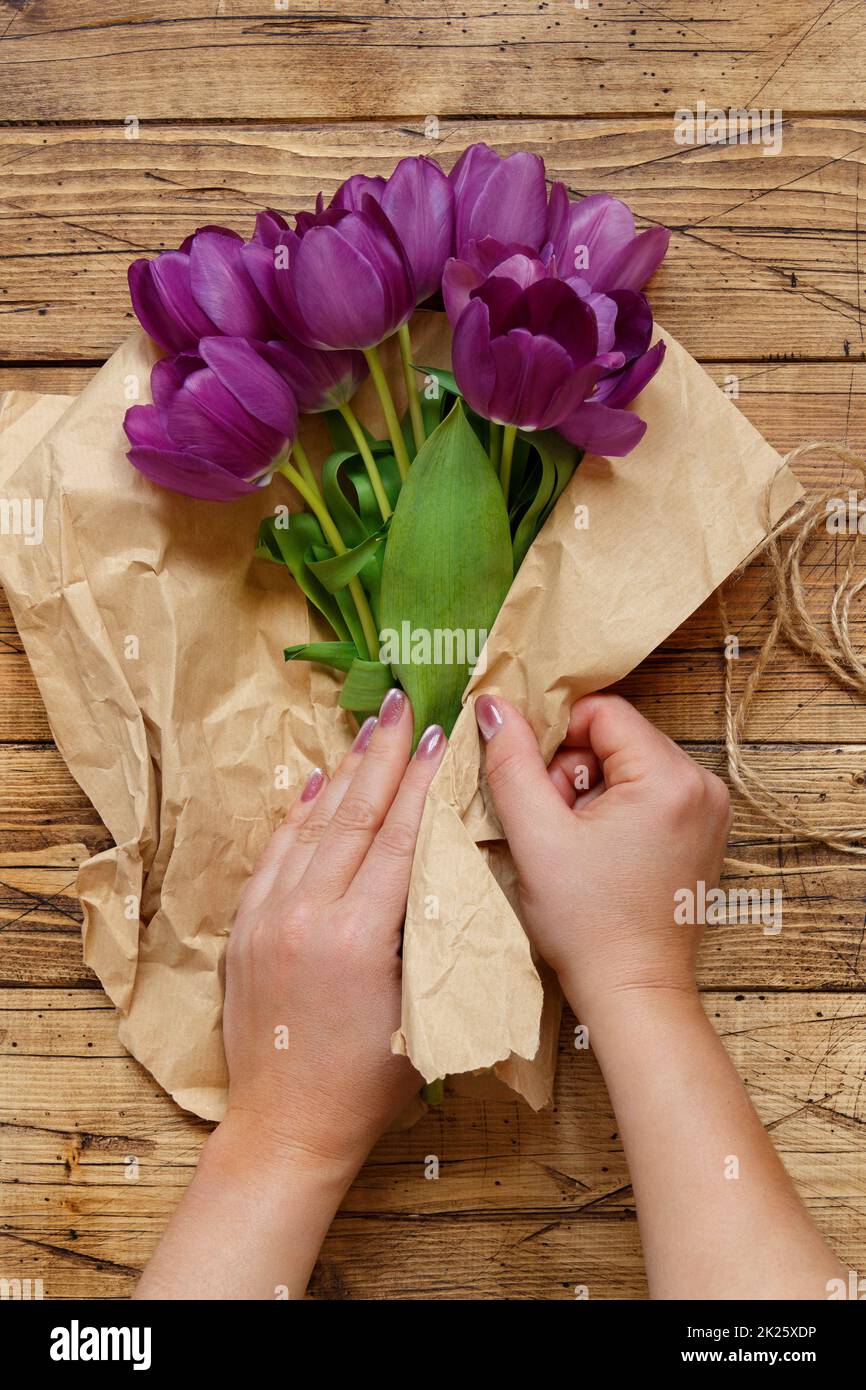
{"x": 634, "y": 1007}
{"x": 245, "y": 1151}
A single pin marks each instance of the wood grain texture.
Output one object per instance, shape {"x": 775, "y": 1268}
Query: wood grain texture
{"x": 242, "y": 105}
{"x": 763, "y": 262}
{"x": 281, "y": 60}
{"x": 525, "y": 1206}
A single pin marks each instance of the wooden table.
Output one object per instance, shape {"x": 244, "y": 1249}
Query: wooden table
{"x": 128, "y": 125}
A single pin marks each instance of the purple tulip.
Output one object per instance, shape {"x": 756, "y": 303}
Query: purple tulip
{"x": 162, "y": 297}
{"x": 319, "y": 380}
{"x": 505, "y": 198}
{"x": 351, "y": 280}
{"x": 595, "y": 240}
{"x": 197, "y": 291}
{"x": 418, "y": 201}
{"x": 527, "y": 356}
{"x": 216, "y": 430}
{"x": 348, "y": 196}
{"x": 482, "y": 259}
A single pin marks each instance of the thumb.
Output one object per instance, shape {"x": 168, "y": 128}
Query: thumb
{"x": 526, "y": 801}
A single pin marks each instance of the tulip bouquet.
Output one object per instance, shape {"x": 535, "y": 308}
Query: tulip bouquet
{"x": 407, "y": 544}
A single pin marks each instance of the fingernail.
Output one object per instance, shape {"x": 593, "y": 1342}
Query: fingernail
{"x": 362, "y": 737}
{"x": 431, "y": 742}
{"x": 488, "y": 715}
{"x": 392, "y": 708}
{"x": 313, "y": 784}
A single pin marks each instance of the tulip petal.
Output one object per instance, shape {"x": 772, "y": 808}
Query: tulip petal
{"x": 511, "y": 205}
{"x": 530, "y": 372}
{"x": 418, "y": 201}
{"x": 338, "y": 292}
{"x": 459, "y": 279}
{"x": 271, "y": 230}
{"x": 163, "y": 303}
{"x": 600, "y": 430}
{"x": 471, "y": 357}
{"x": 168, "y": 375}
{"x": 626, "y": 385}
{"x": 223, "y": 288}
{"x": 144, "y": 426}
{"x": 187, "y": 244}
{"x": 269, "y": 268}
{"x": 319, "y": 380}
{"x": 635, "y": 263}
{"x": 551, "y": 307}
{"x": 192, "y": 476}
{"x": 350, "y": 193}
{"x": 252, "y": 380}
{"x": 207, "y": 419}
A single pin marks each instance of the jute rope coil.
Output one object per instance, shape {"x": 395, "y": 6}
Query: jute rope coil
{"x": 829, "y": 646}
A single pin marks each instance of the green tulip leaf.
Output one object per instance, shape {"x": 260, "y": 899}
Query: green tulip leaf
{"x": 366, "y": 686}
{"x": 335, "y": 572}
{"x": 447, "y": 568}
{"x": 287, "y": 540}
{"x": 447, "y": 380}
{"x": 340, "y": 655}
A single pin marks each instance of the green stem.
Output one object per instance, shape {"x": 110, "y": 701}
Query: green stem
{"x": 411, "y": 385}
{"x": 304, "y": 466}
{"x": 316, "y": 504}
{"x": 369, "y": 462}
{"x": 509, "y": 435}
{"x": 434, "y": 1092}
{"x": 383, "y": 391}
{"x": 495, "y": 444}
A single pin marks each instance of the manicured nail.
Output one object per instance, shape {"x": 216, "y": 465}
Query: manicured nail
{"x": 392, "y": 708}
{"x": 488, "y": 715}
{"x": 313, "y": 785}
{"x": 362, "y": 737}
{"x": 431, "y": 742}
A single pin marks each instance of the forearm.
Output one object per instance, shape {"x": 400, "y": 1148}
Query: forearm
{"x": 719, "y": 1216}
{"x": 249, "y": 1226}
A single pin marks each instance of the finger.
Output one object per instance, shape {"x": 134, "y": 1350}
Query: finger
{"x": 627, "y": 745}
{"x": 573, "y": 771}
{"x": 359, "y": 816}
{"x": 262, "y": 878}
{"x": 584, "y": 799}
{"x": 383, "y": 877}
{"x": 526, "y": 800}
{"x": 300, "y": 847}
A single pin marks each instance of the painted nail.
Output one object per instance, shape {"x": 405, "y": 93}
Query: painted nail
{"x": 488, "y": 715}
{"x": 362, "y": 737}
{"x": 392, "y": 707}
{"x": 313, "y": 785}
{"x": 431, "y": 742}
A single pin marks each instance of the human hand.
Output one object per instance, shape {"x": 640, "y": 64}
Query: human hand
{"x": 313, "y": 961}
{"x": 598, "y": 868}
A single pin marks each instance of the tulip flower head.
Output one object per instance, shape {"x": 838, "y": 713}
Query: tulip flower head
{"x": 217, "y": 428}
{"x": 504, "y": 198}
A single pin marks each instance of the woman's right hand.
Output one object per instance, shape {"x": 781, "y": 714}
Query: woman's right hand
{"x": 598, "y": 868}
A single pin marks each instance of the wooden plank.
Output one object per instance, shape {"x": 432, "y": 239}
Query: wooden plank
{"x": 525, "y": 1205}
{"x": 763, "y": 262}
{"x": 298, "y": 61}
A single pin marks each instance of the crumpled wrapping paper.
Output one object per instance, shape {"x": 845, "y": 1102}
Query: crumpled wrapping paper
{"x": 156, "y": 639}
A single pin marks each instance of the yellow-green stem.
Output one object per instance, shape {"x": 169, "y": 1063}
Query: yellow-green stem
{"x": 316, "y": 504}
{"x": 495, "y": 444}
{"x": 411, "y": 377}
{"x": 369, "y": 462}
{"x": 383, "y": 391}
{"x": 509, "y": 435}
{"x": 304, "y": 466}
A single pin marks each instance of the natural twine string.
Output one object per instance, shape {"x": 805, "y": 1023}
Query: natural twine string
{"x": 829, "y": 647}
